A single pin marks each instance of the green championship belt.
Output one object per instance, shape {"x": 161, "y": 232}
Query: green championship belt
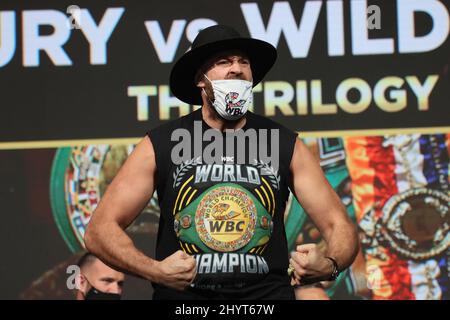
{"x": 224, "y": 218}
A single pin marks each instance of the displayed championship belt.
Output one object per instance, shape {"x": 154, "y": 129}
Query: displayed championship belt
{"x": 401, "y": 187}
{"x": 416, "y": 222}
{"x": 79, "y": 178}
{"x": 224, "y": 218}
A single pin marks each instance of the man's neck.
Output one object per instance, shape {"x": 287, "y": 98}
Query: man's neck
{"x": 215, "y": 121}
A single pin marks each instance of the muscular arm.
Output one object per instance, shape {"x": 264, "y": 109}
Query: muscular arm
{"x": 323, "y": 206}
{"x": 122, "y": 202}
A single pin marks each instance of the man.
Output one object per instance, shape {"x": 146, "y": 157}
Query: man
{"x": 221, "y": 232}
{"x": 97, "y": 281}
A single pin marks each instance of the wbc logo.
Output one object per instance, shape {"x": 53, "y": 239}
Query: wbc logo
{"x": 233, "y": 105}
{"x": 226, "y": 219}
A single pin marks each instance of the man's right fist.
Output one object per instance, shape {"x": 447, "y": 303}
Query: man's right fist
{"x": 176, "y": 271}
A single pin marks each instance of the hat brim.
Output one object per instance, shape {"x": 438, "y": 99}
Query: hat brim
{"x": 262, "y": 56}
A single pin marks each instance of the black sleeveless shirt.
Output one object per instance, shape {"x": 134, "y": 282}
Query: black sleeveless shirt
{"x": 227, "y": 212}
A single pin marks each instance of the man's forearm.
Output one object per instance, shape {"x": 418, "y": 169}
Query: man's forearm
{"x": 110, "y": 243}
{"x": 342, "y": 244}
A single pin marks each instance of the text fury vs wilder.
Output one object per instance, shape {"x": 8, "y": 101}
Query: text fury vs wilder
{"x": 281, "y": 22}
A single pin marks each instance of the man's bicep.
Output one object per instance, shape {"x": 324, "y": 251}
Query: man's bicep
{"x": 312, "y": 189}
{"x": 132, "y": 187}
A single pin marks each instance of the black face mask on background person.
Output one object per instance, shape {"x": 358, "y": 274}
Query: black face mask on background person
{"x": 95, "y": 294}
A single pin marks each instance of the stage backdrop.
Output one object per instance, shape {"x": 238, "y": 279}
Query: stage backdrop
{"x": 364, "y": 83}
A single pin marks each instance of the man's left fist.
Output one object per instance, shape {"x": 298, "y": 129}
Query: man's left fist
{"x": 310, "y": 265}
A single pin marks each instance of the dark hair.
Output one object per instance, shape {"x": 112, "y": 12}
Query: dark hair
{"x": 86, "y": 260}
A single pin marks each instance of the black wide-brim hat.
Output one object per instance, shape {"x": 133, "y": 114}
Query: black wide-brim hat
{"x": 211, "y": 41}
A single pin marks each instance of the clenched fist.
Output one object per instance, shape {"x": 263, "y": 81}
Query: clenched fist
{"x": 176, "y": 271}
{"x": 310, "y": 265}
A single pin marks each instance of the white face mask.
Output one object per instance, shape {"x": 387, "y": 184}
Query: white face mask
{"x": 231, "y": 97}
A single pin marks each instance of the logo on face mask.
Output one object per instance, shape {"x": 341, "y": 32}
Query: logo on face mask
{"x": 232, "y": 97}
{"x": 233, "y": 105}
